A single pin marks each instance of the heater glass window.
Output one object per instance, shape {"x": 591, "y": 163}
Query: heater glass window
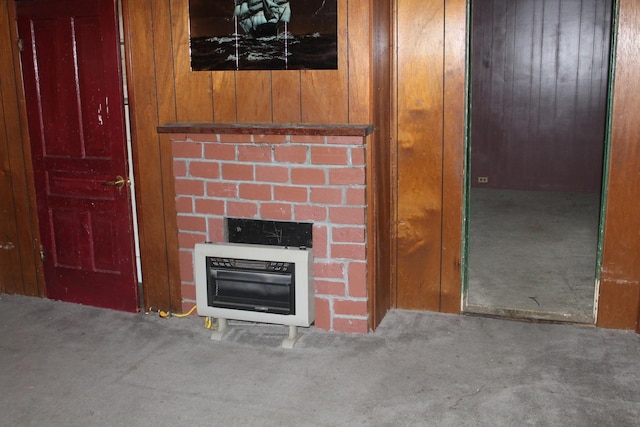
{"x": 254, "y": 285}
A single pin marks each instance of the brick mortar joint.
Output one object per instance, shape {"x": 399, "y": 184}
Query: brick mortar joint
{"x": 279, "y": 183}
{"x": 346, "y": 298}
{"x": 289, "y": 165}
{"x": 293, "y": 204}
{"x": 351, "y": 316}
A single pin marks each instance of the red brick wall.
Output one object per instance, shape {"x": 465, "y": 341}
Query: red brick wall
{"x": 283, "y": 178}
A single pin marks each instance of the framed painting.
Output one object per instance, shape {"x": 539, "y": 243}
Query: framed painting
{"x": 263, "y": 34}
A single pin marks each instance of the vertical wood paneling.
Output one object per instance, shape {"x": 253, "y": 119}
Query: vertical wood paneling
{"x": 521, "y": 31}
{"x": 325, "y": 93}
{"x": 193, "y": 91}
{"x": 285, "y": 91}
{"x": 159, "y": 260}
{"x": 318, "y": 104}
{"x": 183, "y": 102}
{"x": 224, "y": 97}
{"x": 20, "y": 273}
{"x": 11, "y": 281}
{"x": 548, "y": 74}
{"x": 536, "y": 68}
{"x": 619, "y": 302}
{"x": 453, "y": 154}
{"x": 379, "y": 205}
{"x": 359, "y": 33}
{"x": 588, "y": 57}
{"x": 164, "y": 61}
{"x": 420, "y": 49}
{"x": 254, "y": 96}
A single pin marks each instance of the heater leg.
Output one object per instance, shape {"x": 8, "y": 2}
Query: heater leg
{"x": 222, "y": 330}
{"x": 290, "y": 341}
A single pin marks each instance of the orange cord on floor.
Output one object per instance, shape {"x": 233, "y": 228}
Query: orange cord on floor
{"x": 167, "y": 314}
{"x": 208, "y": 321}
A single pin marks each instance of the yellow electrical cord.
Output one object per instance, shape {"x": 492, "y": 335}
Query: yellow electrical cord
{"x": 167, "y": 314}
{"x": 208, "y": 321}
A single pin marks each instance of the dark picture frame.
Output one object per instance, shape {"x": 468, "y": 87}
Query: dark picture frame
{"x": 263, "y": 35}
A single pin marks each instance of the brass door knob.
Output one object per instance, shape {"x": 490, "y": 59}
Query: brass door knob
{"x": 118, "y": 182}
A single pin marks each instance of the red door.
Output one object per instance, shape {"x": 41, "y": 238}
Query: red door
{"x": 74, "y": 100}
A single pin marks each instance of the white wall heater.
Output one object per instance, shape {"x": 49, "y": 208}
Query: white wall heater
{"x": 255, "y": 283}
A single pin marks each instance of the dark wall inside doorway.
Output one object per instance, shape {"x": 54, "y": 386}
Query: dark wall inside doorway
{"x": 539, "y": 93}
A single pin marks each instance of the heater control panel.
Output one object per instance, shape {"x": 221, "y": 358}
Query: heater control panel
{"x": 251, "y": 264}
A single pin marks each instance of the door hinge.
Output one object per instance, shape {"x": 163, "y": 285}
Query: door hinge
{"x": 43, "y": 255}
{"x": 20, "y": 45}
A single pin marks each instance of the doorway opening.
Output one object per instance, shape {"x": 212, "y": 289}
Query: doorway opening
{"x": 539, "y": 85}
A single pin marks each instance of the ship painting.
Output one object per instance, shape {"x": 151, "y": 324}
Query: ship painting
{"x": 263, "y": 35}
{"x": 262, "y": 18}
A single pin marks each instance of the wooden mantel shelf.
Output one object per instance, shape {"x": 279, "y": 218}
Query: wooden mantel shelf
{"x": 267, "y": 129}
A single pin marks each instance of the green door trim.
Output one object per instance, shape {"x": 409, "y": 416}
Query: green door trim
{"x": 615, "y": 18}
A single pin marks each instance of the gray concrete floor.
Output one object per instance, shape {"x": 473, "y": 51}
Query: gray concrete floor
{"x": 533, "y": 254}
{"x": 68, "y": 365}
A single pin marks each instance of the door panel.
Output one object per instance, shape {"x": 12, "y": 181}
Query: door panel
{"x": 74, "y": 99}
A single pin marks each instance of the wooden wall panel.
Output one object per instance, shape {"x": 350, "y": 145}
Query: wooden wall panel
{"x": 192, "y": 90}
{"x": 420, "y": 50}
{"x": 163, "y": 61}
{"x": 254, "y": 98}
{"x": 359, "y": 58}
{"x": 325, "y": 93}
{"x": 224, "y": 97}
{"x": 619, "y": 300}
{"x": 170, "y": 15}
{"x": 539, "y": 80}
{"x": 453, "y": 154}
{"x": 20, "y": 269}
{"x": 285, "y": 91}
{"x": 11, "y": 280}
{"x": 379, "y": 172}
{"x": 318, "y": 105}
{"x": 147, "y": 70}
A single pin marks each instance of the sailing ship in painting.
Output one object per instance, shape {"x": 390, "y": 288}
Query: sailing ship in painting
{"x": 261, "y": 38}
{"x": 262, "y": 18}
